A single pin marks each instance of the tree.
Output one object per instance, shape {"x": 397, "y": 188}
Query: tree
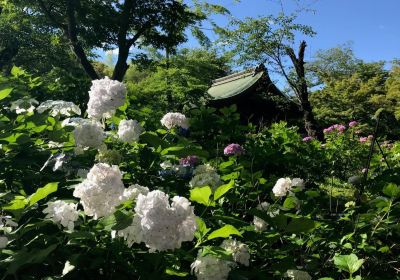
{"x": 332, "y": 64}
{"x": 24, "y": 44}
{"x": 270, "y": 40}
{"x": 188, "y": 76}
{"x": 358, "y": 96}
{"x": 109, "y": 24}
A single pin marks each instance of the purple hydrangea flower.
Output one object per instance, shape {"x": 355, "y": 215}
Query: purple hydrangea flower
{"x": 189, "y": 161}
{"x": 340, "y": 128}
{"x": 353, "y": 123}
{"x": 307, "y": 139}
{"x": 233, "y": 149}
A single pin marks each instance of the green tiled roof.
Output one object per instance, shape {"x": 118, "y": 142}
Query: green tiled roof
{"x": 233, "y": 84}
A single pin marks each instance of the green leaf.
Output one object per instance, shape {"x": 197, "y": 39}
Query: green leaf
{"x": 302, "y": 224}
{"x": 290, "y": 202}
{"x": 174, "y": 272}
{"x": 17, "y": 203}
{"x": 201, "y": 195}
{"x": 221, "y": 190}
{"x": 23, "y": 257}
{"x": 225, "y": 231}
{"x": 43, "y": 193}
{"x": 123, "y": 220}
{"x": 391, "y": 190}
{"x": 5, "y": 92}
{"x": 202, "y": 229}
{"x": 349, "y": 263}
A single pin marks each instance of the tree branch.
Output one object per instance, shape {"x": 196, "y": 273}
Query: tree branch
{"x": 72, "y": 34}
{"x": 48, "y": 14}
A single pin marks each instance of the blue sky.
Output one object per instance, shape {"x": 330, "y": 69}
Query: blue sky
{"x": 372, "y": 26}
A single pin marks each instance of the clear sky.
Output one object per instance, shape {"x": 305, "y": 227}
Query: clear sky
{"x": 373, "y": 26}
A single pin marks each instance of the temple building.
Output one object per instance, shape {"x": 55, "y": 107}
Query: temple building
{"x": 255, "y": 95}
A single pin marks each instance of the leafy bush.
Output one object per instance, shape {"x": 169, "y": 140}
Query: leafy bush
{"x": 244, "y": 224}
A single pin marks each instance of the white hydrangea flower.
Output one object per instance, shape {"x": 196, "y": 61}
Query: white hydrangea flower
{"x": 282, "y": 186}
{"x": 133, "y": 191}
{"x": 239, "y": 251}
{"x": 209, "y": 267}
{"x": 105, "y": 96}
{"x": 260, "y": 224}
{"x": 158, "y": 224}
{"x": 3, "y": 242}
{"x": 204, "y": 168}
{"x": 298, "y": 182}
{"x": 24, "y": 105}
{"x": 298, "y": 274}
{"x": 101, "y": 191}
{"x": 59, "y": 107}
{"x": 82, "y": 173}
{"x": 89, "y": 134}
{"x": 129, "y": 131}
{"x": 166, "y": 165}
{"x": 61, "y": 212}
{"x": 171, "y": 120}
{"x": 205, "y": 175}
{"x": 7, "y": 224}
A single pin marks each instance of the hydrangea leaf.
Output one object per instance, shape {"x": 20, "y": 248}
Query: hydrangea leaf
{"x": 392, "y": 190}
{"x": 43, "y": 192}
{"x": 223, "y": 189}
{"x": 349, "y": 263}
{"x": 201, "y": 195}
{"x": 174, "y": 272}
{"x": 302, "y": 224}
{"x": 224, "y": 232}
{"x": 290, "y": 202}
{"x": 5, "y": 92}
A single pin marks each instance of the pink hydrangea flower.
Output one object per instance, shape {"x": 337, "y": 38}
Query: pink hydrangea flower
{"x": 340, "y": 128}
{"x": 307, "y": 139}
{"x": 233, "y": 149}
{"x": 363, "y": 139}
{"x": 189, "y": 161}
{"x": 353, "y": 123}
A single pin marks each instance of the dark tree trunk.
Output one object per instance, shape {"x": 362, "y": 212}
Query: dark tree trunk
{"x": 70, "y": 32}
{"x": 301, "y": 89}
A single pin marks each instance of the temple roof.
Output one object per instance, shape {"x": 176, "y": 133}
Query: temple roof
{"x": 234, "y": 84}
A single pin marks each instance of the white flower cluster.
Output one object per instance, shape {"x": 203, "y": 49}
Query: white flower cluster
{"x": 205, "y": 175}
{"x": 101, "y": 191}
{"x": 283, "y": 185}
{"x": 239, "y": 251}
{"x": 61, "y": 212}
{"x": 129, "y": 131}
{"x": 260, "y": 224}
{"x": 88, "y": 133}
{"x": 210, "y": 267}
{"x": 158, "y": 224}
{"x": 7, "y": 224}
{"x": 133, "y": 191}
{"x": 105, "y": 96}
{"x": 297, "y": 274}
{"x": 171, "y": 120}
{"x": 23, "y": 105}
{"x": 59, "y": 107}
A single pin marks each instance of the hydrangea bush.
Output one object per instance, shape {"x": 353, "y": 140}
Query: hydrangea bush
{"x": 205, "y": 198}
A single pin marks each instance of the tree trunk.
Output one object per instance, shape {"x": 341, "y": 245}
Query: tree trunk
{"x": 301, "y": 89}
{"x": 121, "y": 66}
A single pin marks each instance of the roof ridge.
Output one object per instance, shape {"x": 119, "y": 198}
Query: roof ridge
{"x": 232, "y": 76}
